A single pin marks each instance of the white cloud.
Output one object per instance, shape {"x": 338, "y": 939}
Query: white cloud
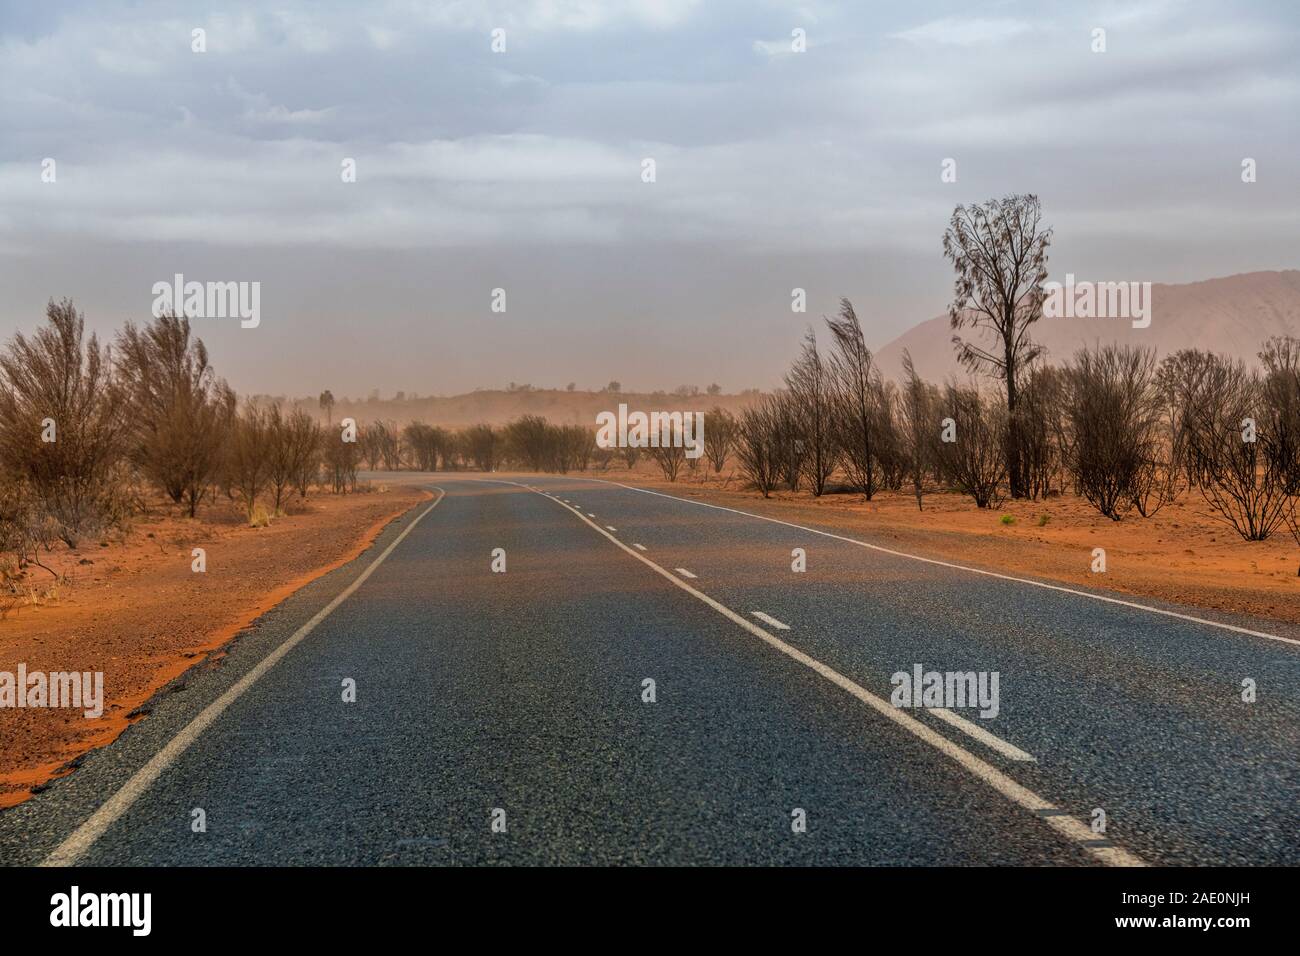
{"x": 964, "y": 31}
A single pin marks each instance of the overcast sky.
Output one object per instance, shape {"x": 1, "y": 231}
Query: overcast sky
{"x": 522, "y": 170}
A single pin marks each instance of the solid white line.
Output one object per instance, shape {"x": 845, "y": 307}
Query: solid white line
{"x": 768, "y": 619}
{"x": 980, "y": 734}
{"x": 684, "y": 573}
{"x": 962, "y": 567}
{"x": 81, "y": 839}
{"x": 1067, "y": 826}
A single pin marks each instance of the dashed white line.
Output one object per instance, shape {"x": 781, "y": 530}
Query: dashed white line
{"x": 963, "y": 567}
{"x": 590, "y": 515}
{"x": 768, "y": 619}
{"x": 983, "y": 736}
{"x": 610, "y": 527}
{"x": 1044, "y": 810}
{"x": 684, "y": 573}
{"x": 639, "y": 547}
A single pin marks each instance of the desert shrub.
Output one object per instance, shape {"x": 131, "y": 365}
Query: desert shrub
{"x": 719, "y": 434}
{"x": 1118, "y": 452}
{"x": 530, "y": 441}
{"x": 422, "y": 443}
{"x": 976, "y": 461}
{"x": 1185, "y": 379}
{"x": 756, "y": 445}
{"x": 59, "y": 384}
{"x": 482, "y": 445}
{"x": 249, "y": 456}
{"x": 370, "y": 444}
{"x": 174, "y": 407}
{"x": 1227, "y": 440}
{"x": 1280, "y": 421}
{"x": 574, "y": 445}
{"x": 1039, "y": 410}
{"x": 342, "y": 459}
{"x": 25, "y": 532}
{"x": 669, "y": 458}
{"x": 789, "y": 446}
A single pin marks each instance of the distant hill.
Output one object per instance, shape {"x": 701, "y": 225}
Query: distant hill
{"x": 496, "y": 407}
{"x": 1232, "y": 315}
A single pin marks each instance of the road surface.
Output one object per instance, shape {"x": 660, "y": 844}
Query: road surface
{"x": 503, "y": 717}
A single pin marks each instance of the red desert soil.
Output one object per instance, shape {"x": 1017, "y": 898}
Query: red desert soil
{"x": 134, "y": 609}
{"x": 1181, "y": 554}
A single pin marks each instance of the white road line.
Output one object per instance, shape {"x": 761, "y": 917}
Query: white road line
{"x": 639, "y": 547}
{"x": 979, "y": 733}
{"x": 684, "y": 573}
{"x": 590, "y": 515}
{"x": 1059, "y": 820}
{"x": 768, "y": 619}
{"x": 83, "y": 838}
{"x": 610, "y": 527}
{"x": 962, "y": 567}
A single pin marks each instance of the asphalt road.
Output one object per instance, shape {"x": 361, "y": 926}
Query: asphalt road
{"x": 517, "y": 699}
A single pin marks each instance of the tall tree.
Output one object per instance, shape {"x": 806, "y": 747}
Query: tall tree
{"x": 327, "y": 405}
{"x": 812, "y": 401}
{"x": 858, "y": 395}
{"x": 999, "y": 251}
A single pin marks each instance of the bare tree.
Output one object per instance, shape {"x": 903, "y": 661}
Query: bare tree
{"x": 999, "y": 251}
{"x": 719, "y": 433}
{"x": 342, "y": 458}
{"x": 920, "y": 426}
{"x": 283, "y": 466}
{"x": 370, "y": 439}
{"x": 857, "y": 392}
{"x": 1281, "y": 421}
{"x": 305, "y": 438}
{"x": 812, "y": 403}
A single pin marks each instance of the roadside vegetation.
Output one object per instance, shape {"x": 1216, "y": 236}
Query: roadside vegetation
{"x": 92, "y": 434}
